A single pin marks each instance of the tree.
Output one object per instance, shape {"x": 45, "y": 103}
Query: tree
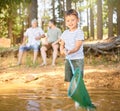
{"x": 110, "y": 9}
{"x": 118, "y": 16}
{"x": 53, "y": 8}
{"x": 64, "y": 13}
{"x": 110, "y": 18}
{"x": 88, "y": 34}
{"x": 32, "y": 10}
{"x": 60, "y": 9}
{"x": 68, "y": 4}
{"x": 91, "y": 19}
{"x": 11, "y": 10}
{"x": 99, "y": 20}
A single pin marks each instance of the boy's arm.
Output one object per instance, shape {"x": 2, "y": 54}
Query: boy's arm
{"x": 62, "y": 47}
{"x": 77, "y": 47}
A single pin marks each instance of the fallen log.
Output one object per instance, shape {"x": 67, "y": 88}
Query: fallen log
{"x": 4, "y": 52}
{"x": 110, "y": 46}
{"x": 107, "y": 46}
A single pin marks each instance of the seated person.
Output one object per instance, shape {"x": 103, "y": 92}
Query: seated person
{"x": 53, "y": 35}
{"x": 32, "y": 36}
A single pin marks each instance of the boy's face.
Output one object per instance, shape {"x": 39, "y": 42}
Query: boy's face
{"x": 71, "y": 22}
{"x": 49, "y": 24}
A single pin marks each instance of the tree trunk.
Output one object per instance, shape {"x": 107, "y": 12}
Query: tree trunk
{"x": 88, "y": 35}
{"x": 53, "y": 8}
{"x": 99, "y": 20}
{"x": 91, "y": 22}
{"x": 64, "y": 14}
{"x": 110, "y": 20}
{"x": 10, "y": 35}
{"x": 60, "y": 9}
{"x": 68, "y": 4}
{"x": 33, "y": 10}
{"x": 118, "y": 19}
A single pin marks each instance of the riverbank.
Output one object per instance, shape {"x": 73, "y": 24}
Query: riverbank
{"x": 107, "y": 76}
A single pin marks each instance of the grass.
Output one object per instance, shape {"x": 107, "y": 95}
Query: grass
{"x": 89, "y": 59}
{"x": 29, "y": 62}
{"x": 3, "y": 49}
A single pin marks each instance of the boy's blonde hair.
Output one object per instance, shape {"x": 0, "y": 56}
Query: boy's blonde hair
{"x": 71, "y": 12}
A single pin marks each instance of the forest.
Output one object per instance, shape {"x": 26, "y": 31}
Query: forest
{"x": 31, "y": 87}
{"x": 101, "y": 16}
{"x": 99, "y": 19}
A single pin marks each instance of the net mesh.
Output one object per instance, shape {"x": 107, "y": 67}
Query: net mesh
{"x": 78, "y": 92}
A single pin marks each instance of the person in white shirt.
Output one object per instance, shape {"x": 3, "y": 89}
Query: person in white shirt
{"x": 32, "y": 36}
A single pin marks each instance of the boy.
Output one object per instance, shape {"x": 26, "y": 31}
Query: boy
{"x": 72, "y": 44}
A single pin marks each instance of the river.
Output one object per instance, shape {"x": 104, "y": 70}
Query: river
{"x": 56, "y": 99}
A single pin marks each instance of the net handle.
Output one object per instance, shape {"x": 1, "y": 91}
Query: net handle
{"x": 71, "y": 65}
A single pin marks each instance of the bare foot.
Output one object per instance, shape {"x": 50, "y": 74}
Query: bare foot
{"x": 43, "y": 64}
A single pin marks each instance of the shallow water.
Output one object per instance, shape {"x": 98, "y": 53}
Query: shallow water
{"x": 55, "y": 99}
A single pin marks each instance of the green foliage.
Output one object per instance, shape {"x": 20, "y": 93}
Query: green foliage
{"x": 45, "y": 20}
{"x": 3, "y": 49}
{"x": 3, "y": 26}
{"x": 14, "y": 11}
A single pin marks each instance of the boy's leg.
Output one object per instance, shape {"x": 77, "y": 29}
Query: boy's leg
{"x": 68, "y": 74}
{"x": 68, "y": 71}
{"x": 44, "y": 55}
{"x": 79, "y": 64}
{"x": 55, "y": 53}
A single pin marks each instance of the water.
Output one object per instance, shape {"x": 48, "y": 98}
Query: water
{"x": 56, "y": 99}
{"x": 106, "y": 99}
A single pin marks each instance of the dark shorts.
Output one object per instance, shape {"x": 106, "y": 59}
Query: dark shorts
{"x": 49, "y": 45}
{"x": 79, "y": 63}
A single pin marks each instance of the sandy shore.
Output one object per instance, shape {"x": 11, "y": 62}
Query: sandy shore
{"x": 12, "y": 76}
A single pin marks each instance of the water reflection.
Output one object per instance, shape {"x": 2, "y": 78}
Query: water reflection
{"x": 48, "y": 100}
{"x": 33, "y": 105}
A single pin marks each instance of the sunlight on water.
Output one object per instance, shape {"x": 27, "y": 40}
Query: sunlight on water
{"x": 56, "y": 100}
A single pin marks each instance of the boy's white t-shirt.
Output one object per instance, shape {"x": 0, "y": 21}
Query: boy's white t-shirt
{"x": 32, "y": 33}
{"x": 70, "y": 39}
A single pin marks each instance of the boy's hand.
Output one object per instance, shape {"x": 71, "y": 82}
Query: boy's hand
{"x": 68, "y": 52}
